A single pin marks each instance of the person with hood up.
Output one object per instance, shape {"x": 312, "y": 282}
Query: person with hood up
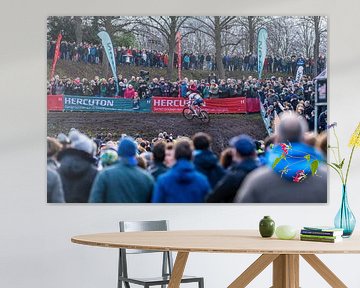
{"x": 205, "y": 160}
{"x": 182, "y": 183}
{"x": 287, "y": 176}
{"x": 77, "y": 168}
{"x": 124, "y": 181}
{"x": 245, "y": 160}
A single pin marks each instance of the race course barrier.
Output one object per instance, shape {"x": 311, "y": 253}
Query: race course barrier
{"x": 96, "y": 104}
{"x": 55, "y": 103}
{"x": 215, "y": 106}
{"x": 156, "y": 104}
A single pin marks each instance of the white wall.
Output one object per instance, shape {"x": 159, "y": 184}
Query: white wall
{"x": 35, "y": 248}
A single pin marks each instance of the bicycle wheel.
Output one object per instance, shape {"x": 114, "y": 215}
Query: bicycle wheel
{"x": 204, "y": 116}
{"x": 187, "y": 113}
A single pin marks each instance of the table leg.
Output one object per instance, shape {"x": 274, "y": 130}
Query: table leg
{"x": 253, "y": 270}
{"x": 324, "y": 271}
{"x": 178, "y": 269}
{"x": 286, "y": 271}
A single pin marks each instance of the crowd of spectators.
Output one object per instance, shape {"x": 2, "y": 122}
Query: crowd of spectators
{"x": 94, "y": 54}
{"x": 171, "y": 169}
{"x": 277, "y": 94}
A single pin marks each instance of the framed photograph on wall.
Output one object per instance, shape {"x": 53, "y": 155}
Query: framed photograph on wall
{"x": 186, "y": 109}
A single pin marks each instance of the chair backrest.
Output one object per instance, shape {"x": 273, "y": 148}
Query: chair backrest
{"x": 137, "y": 226}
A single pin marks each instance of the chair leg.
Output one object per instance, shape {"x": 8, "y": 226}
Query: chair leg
{"x": 201, "y": 283}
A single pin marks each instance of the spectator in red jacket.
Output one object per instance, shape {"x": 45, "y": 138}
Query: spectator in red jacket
{"x": 129, "y": 92}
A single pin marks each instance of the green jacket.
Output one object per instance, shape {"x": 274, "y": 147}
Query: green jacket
{"x": 122, "y": 183}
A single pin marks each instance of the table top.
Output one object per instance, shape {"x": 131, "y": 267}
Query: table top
{"x": 217, "y": 241}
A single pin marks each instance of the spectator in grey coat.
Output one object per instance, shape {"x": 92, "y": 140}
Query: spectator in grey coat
{"x": 77, "y": 168}
{"x": 55, "y": 193}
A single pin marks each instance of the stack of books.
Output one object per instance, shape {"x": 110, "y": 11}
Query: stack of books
{"x": 321, "y": 234}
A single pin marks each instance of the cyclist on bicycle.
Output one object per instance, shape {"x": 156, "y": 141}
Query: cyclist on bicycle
{"x": 195, "y": 100}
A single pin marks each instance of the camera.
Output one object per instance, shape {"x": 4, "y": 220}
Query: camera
{"x": 145, "y": 75}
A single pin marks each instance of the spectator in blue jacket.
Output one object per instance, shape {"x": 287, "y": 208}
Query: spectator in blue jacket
{"x": 183, "y": 88}
{"x": 182, "y": 183}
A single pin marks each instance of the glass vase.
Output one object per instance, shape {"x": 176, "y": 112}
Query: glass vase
{"x": 345, "y": 219}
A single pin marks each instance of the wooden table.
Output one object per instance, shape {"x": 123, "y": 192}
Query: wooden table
{"x": 284, "y": 254}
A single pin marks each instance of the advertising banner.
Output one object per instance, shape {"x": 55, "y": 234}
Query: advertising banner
{"x": 261, "y": 49}
{"x": 157, "y": 104}
{"x": 55, "y": 103}
{"x": 56, "y": 55}
{"x": 103, "y": 104}
{"x": 299, "y": 73}
{"x": 109, "y": 50}
{"x": 214, "y": 106}
{"x": 252, "y": 105}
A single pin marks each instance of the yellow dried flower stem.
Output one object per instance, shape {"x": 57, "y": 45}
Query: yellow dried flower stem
{"x": 354, "y": 142}
{"x": 355, "y": 137}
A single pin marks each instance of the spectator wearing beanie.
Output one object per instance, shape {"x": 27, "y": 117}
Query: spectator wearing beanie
{"x": 158, "y": 167}
{"x": 182, "y": 183}
{"x": 64, "y": 140}
{"x": 245, "y": 161}
{"x": 205, "y": 160}
{"x": 124, "y": 181}
{"x": 77, "y": 168}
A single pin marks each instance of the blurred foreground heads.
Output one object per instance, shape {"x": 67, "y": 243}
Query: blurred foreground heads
{"x": 182, "y": 183}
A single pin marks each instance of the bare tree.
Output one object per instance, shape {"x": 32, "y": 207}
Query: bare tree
{"x": 306, "y": 37}
{"x": 113, "y": 24}
{"x": 251, "y": 25}
{"x": 78, "y": 28}
{"x": 167, "y": 26}
{"x": 282, "y": 35}
{"x": 318, "y": 26}
{"x": 215, "y": 27}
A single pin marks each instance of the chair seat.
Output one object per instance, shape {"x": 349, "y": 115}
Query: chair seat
{"x": 157, "y": 280}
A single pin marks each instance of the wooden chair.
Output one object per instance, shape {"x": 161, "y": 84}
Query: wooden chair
{"x": 167, "y": 262}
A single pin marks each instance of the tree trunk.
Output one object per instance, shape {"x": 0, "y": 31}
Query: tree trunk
{"x": 218, "y": 48}
{"x": 78, "y": 29}
{"x": 316, "y": 44}
{"x": 109, "y": 27}
{"x": 172, "y": 44}
{"x": 251, "y": 33}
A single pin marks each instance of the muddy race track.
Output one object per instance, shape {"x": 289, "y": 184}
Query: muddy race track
{"x": 149, "y": 125}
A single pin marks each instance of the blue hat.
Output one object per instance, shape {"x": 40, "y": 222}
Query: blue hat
{"x": 127, "y": 150}
{"x": 244, "y": 144}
